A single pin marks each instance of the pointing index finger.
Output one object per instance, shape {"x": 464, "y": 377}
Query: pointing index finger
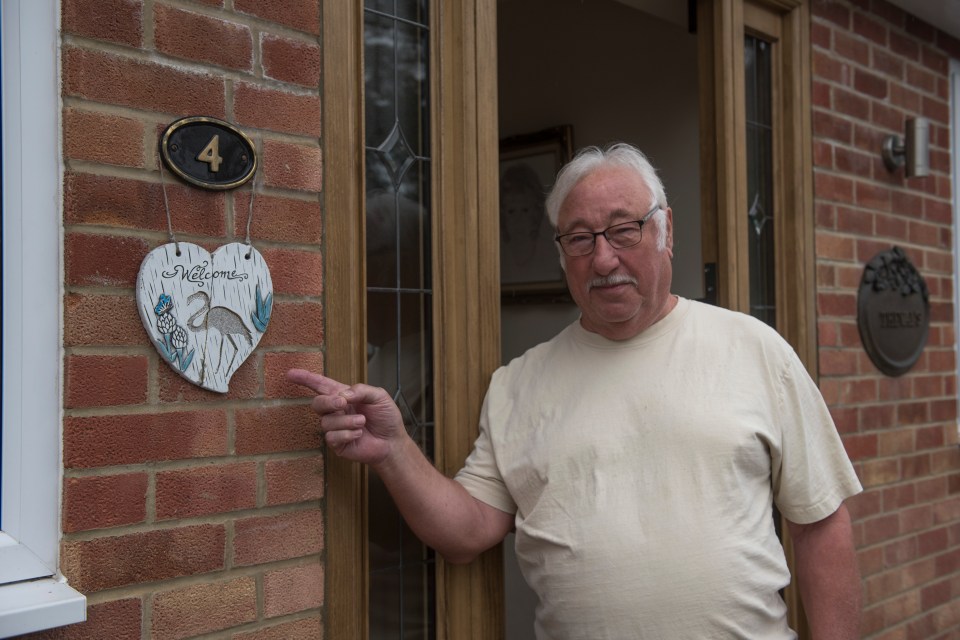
{"x": 316, "y": 382}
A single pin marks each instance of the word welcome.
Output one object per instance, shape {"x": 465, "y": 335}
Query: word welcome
{"x": 199, "y": 274}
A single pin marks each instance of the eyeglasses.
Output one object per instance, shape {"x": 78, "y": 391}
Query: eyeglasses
{"x": 620, "y": 236}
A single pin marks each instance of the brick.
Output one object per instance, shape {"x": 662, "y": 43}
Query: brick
{"x": 275, "y": 367}
{"x": 829, "y": 126}
{"x": 921, "y": 233}
{"x": 101, "y": 320}
{"x": 292, "y": 590}
{"x": 855, "y": 221}
{"x": 837, "y": 362}
{"x": 294, "y": 324}
{"x": 99, "y": 502}
{"x": 916, "y": 519}
{"x": 220, "y": 488}
{"x": 134, "y": 204}
{"x": 821, "y": 95}
{"x": 112, "y": 79}
{"x": 904, "y": 46}
{"x": 889, "y": 118}
{"x": 292, "y": 166}
{"x": 936, "y": 110}
{"x": 204, "y": 608}
{"x": 192, "y": 36}
{"x": 93, "y": 260}
{"x": 290, "y": 60}
{"x": 832, "y": 11}
{"x": 833, "y": 187}
{"x": 931, "y": 542}
{"x": 836, "y": 304}
{"x": 860, "y": 447}
{"x": 896, "y": 442}
{"x": 99, "y": 441}
{"x": 104, "y": 563}
{"x": 302, "y": 629}
{"x": 864, "y": 505}
{"x": 296, "y": 480}
{"x": 851, "y": 104}
{"x": 270, "y": 538}
{"x": 851, "y": 48}
{"x": 901, "y": 608}
{"x": 295, "y": 272}
{"x": 870, "y": 84}
{"x": 279, "y": 219}
{"x": 921, "y": 79}
{"x": 119, "y": 21}
{"x": 917, "y": 466}
{"x": 935, "y": 61}
{"x": 820, "y": 35}
{"x": 102, "y": 381}
{"x": 827, "y": 67}
{"x": 880, "y": 587}
{"x": 872, "y": 197}
{"x": 869, "y": 28}
{"x": 277, "y": 110}
{"x": 887, "y": 63}
{"x": 277, "y": 429}
{"x": 244, "y": 384}
{"x": 904, "y": 97}
{"x": 102, "y": 138}
{"x": 875, "y": 473}
{"x": 822, "y": 155}
{"x": 303, "y": 15}
{"x": 878, "y": 417}
{"x": 881, "y": 528}
{"x": 117, "y": 620}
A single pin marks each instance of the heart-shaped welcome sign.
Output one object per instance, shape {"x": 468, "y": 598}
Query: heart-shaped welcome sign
{"x": 205, "y": 313}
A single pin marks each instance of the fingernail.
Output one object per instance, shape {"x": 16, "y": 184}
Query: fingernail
{"x": 346, "y": 393}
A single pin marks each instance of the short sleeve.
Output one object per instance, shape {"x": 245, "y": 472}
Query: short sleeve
{"x": 812, "y": 475}
{"x": 480, "y": 475}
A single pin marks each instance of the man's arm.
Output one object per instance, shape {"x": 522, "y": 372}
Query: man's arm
{"x": 362, "y": 423}
{"x": 828, "y": 576}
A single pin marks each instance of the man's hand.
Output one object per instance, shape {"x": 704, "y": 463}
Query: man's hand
{"x": 359, "y": 422}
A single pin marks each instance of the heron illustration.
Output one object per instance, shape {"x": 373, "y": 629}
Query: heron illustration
{"x": 227, "y": 323}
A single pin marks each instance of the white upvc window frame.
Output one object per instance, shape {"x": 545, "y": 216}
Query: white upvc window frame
{"x": 33, "y": 593}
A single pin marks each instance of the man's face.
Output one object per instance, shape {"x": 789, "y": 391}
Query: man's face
{"x": 617, "y": 311}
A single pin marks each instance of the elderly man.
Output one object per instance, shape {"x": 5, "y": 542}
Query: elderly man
{"x": 638, "y": 453}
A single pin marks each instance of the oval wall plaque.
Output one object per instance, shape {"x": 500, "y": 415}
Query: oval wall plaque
{"x": 208, "y": 153}
{"x": 893, "y": 312}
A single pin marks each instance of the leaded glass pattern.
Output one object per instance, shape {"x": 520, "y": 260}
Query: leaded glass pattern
{"x": 399, "y": 297}
{"x": 759, "y": 103}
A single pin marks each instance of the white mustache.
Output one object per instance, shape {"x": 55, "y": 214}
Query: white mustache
{"x": 611, "y": 280}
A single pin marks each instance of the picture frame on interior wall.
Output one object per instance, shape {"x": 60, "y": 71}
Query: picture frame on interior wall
{"x": 529, "y": 261}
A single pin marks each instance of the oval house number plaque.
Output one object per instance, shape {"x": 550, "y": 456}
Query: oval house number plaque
{"x": 893, "y": 312}
{"x": 208, "y": 152}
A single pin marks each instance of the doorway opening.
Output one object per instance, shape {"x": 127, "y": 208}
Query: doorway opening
{"x": 611, "y": 71}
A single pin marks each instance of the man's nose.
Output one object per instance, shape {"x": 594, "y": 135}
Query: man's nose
{"x": 605, "y": 257}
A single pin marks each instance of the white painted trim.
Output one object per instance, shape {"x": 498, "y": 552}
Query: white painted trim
{"x": 33, "y": 594}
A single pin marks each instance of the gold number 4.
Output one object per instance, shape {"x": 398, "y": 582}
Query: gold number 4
{"x": 211, "y": 154}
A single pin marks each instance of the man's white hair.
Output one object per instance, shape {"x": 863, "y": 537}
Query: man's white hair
{"x": 621, "y": 154}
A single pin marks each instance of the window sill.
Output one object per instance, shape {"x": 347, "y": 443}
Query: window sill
{"x": 39, "y": 604}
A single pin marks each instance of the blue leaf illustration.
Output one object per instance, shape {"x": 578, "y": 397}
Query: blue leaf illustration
{"x": 261, "y": 318}
{"x": 185, "y": 362}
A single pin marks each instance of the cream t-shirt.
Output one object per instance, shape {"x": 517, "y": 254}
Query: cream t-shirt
{"x": 642, "y": 474}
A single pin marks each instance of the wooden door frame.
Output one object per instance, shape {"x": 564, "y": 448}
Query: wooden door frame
{"x": 722, "y": 25}
{"x": 463, "y": 81}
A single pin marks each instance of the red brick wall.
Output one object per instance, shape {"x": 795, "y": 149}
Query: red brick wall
{"x": 874, "y": 66}
{"x": 187, "y": 512}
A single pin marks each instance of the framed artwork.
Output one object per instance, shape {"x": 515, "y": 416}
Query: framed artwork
{"x": 529, "y": 261}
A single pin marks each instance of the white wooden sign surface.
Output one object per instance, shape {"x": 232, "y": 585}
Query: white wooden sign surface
{"x": 205, "y": 313}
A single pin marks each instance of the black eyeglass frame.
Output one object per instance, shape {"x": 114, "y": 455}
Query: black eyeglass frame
{"x": 559, "y": 237}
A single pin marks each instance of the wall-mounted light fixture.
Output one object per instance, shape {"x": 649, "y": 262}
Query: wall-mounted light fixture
{"x": 915, "y": 152}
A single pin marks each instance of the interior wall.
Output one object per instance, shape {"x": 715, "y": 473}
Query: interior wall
{"x": 614, "y": 73}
